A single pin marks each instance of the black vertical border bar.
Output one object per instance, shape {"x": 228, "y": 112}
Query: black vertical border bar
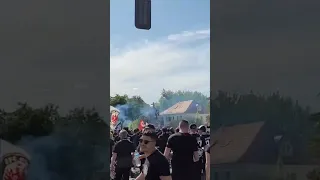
{"x": 108, "y": 81}
{"x": 102, "y": 54}
{"x": 299, "y": 36}
{"x": 211, "y": 78}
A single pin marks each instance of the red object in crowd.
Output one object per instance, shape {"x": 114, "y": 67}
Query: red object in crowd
{"x": 141, "y": 125}
{"x": 16, "y": 174}
{"x": 114, "y": 119}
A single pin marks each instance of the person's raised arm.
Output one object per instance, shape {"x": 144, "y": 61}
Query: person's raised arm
{"x": 115, "y": 152}
{"x": 195, "y": 150}
{"x": 113, "y": 159}
{"x": 167, "y": 152}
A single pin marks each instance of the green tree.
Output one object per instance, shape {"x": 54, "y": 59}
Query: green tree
{"x": 80, "y": 133}
{"x": 118, "y": 100}
{"x": 26, "y": 120}
{"x": 131, "y": 107}
{"x": 88, "y": 137}
{"x": 85, "y": 125}
{"x": 135, "y": 106}
{"x": 134, "y": 124}
{"x": 315, "y": 146}
{"x": 232, "y": 108}
{"x": 315, "y": 140}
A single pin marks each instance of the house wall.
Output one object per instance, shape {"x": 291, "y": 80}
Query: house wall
{"x": 259, "y": 172}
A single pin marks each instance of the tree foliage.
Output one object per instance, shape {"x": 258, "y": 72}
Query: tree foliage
{"x": 118, "y": 100}
{"x": 315, "y": 146}
{"x": 131, "y": 107}
{"x": 82, "y": 130}
{"x": 232, "y": 108}
{"x": 227, "y": 108}
{"x": 134, "y": 124}
{"x": 26, "y": 120}
{"x": 315, "y": 140}
{"x": 38, "y": 122}
{"x": 72, "y": 145}
{"x": 135, "y": 107}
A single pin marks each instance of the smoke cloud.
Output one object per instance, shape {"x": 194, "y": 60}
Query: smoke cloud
{"x": 126, "y": 115}
{"x": 65, "y": 156}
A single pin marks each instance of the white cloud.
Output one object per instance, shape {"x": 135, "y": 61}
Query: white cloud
{"x": 176, "y": 62}
{"x": 190, "y": 35}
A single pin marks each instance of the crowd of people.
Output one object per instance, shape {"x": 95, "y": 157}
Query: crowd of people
{"x": 161, "y": 154}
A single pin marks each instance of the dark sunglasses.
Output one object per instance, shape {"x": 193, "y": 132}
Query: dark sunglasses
{"x": 144, "y": 141}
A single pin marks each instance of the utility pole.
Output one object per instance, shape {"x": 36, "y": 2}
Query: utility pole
{"x": 156, "y": 113}
{"x": 156, "y": 110}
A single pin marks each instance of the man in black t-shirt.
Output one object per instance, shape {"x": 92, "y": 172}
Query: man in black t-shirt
{"x": 162, "y": 141}
{"x": 205, "y": 137}
{"x": 155, "y": 166}
{"x": 135, "y": 137}
{"x": 198, "y": 164}
{"x": 122, "y": 154}
{"x": 204, "y": 144}
{"x": 185, "y": 153}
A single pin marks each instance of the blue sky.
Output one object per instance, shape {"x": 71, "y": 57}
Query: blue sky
{"x": 174, "y": 54}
